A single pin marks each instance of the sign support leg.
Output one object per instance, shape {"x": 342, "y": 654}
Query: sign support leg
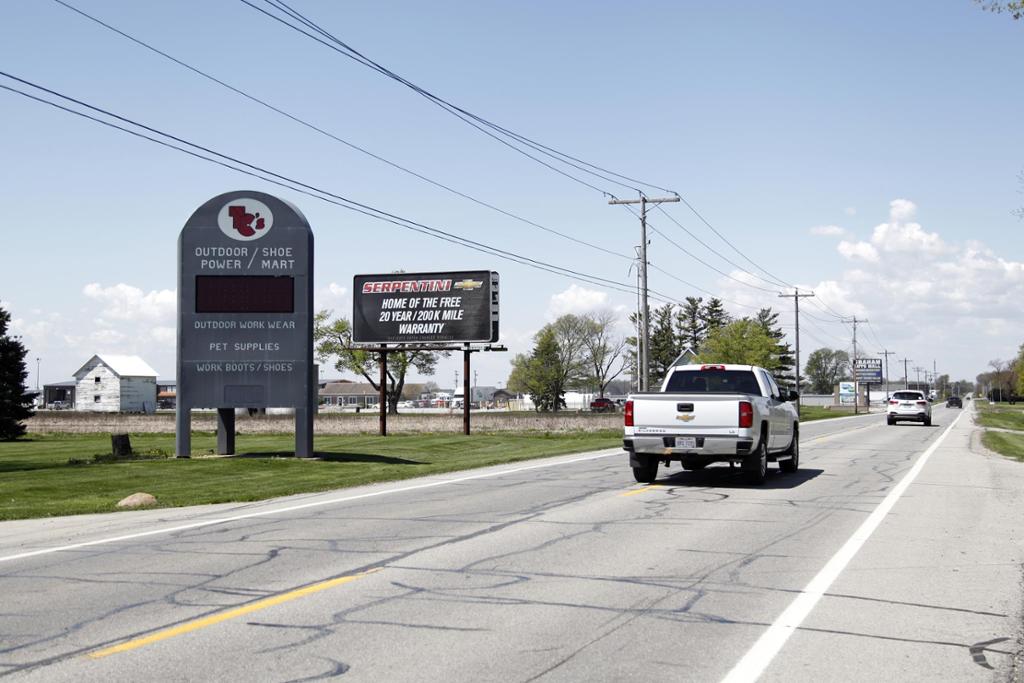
{"x": 226, "y": 431}
{"x": 383, "y": 393}
{"x": 183, "y": 431}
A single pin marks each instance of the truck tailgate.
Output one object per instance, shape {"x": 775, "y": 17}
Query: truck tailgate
{"x": 686, "y": 413}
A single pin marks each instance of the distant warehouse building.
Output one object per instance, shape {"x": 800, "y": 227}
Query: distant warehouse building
{"x": 116, "y": 384}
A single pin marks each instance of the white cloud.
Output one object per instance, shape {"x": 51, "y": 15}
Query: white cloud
{"x": 125, "y": 302}
{"x": 334, "y": 298}
{"x": 858, "y": 250}
{"x": 576, "y": 300}
{"x": 902, "y": 235}
{"x": 828, "y": 230}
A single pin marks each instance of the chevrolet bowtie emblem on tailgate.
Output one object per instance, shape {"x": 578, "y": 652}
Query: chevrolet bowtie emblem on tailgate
{"x": 685, "y": 418}
{"x": 468, "y": 284}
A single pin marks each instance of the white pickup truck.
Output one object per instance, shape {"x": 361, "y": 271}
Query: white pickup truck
{"x": 713, "y": 413}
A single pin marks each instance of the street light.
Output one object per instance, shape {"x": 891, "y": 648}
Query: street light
{"x": 37, "y": 373}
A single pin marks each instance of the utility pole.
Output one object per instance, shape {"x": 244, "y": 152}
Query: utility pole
{"x": 906, "y": 373}
{"x": 887, "y": 354}
{"x": 645, "y": 333}
{"x": 796, "y": 314}
{"x": 856, "y": 384}
{"x": 918, "y": 369}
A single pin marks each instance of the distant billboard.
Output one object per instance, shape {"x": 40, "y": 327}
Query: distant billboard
{"x": 846, "y": 392}
{"x": 868, "y": 370}
{"x": 425, "y": 308}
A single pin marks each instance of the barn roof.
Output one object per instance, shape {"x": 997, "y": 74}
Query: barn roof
{"x": 122, "y": 366}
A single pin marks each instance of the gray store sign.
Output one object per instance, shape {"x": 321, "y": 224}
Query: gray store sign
{"x": 399, "y": 308}
{"x": 868, "y": 370}
{"x": 245, "y": 314}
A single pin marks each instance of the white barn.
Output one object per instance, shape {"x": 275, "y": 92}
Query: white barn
{"x": 115, "y": 384}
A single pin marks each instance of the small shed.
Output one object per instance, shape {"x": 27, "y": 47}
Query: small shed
{"x": 116, "y": 384}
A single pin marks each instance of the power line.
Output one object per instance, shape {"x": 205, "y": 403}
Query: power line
{"x": 712, "y": 249}
{"x": 703, "y": 262}
{"x": 323, "y": 195}
{"x": 490, "y": 129}
{"x": 336, "y": 138}
{"x": 549, "y": 151}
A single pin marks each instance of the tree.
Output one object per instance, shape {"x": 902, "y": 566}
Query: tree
{"x": 14, "y": 401}
{"x": 1015, "y": 8}
{"x": 603, "y": 349}
{"x": 713, "y": 315}
{"x": 333, "y": 340}
{"x": 542, "y": 374}
{"x": 690, "y": 326}
{"x": 570, "y": 336}
{"x": 743, "y": 342}
{"x": 664, "y": 349}
{"x": 824, "y": 368}
{"x": 783, "y": 362}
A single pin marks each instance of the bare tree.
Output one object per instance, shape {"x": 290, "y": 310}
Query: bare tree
{"x": 603, "y": 348}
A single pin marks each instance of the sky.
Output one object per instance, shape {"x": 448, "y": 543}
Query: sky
{"x": 868, "y": 152}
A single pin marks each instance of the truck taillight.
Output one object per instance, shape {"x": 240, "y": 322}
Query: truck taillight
{"x": 746, "y": 414}
{"x": 628, "y": 413}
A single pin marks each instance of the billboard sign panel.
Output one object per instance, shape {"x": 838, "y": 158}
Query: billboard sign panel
{"x": 868, "y": 370}
{"x": 425, "y": 308}
{"x": 846, "y": 392}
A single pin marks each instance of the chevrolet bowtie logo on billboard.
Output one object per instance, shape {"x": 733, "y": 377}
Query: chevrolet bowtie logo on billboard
{"x": 425, "y": 308}
{"x": 468, "y": 284}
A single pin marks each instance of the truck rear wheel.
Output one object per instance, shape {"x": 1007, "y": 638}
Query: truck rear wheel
{"x": 793, "y": 463}
{"x": 755, "y": 465}
{"x": 646, "y": 473}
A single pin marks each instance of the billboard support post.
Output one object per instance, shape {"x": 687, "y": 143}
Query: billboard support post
{"x": 466, "y": 398}
{"x": 382, "y": 401}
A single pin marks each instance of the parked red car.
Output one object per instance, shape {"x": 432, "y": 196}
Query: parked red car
{"x": 602, "y": 405}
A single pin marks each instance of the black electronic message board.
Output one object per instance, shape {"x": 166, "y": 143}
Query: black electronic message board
{"x": 245, "y": 314}
{"x": 400, "y": 308}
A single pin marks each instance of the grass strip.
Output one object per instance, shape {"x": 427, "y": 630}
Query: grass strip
{"x": 1001, "y": 415}
{"x": 67, "y": 474}
{"x": 1010, "y": 445}
{"x": 811, "y": 413}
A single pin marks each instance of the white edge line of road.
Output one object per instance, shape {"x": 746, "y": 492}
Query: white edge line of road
{"x": 303, "y": 506}
{"x": 771, "y": 641}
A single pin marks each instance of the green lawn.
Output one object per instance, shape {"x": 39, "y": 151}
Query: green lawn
{"x": 65, "y": 474}
{"x": 810, "y": 413}
{"x": 1010, "y": 445}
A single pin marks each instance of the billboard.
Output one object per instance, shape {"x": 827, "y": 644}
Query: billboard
{"x": 846, "y": 392}
{"x": 868, "y": 370}
{"x": 425, "y": 308}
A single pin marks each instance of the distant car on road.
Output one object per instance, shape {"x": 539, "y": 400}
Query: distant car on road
{"x": 911, "y": 406}
{"x": 954, "y": 401}
{"x": 58, "y": 405}
{"x": 603, "y": 405}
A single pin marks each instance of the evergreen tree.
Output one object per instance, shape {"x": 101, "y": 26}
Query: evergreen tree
{"x": 783, "y": 361}
{"x": 690, "y": 328}
{"x": 545, "y": 376}
{"x": 713, "y": 316}
{"x": 664, "y": 349}
{"x": 14, "y": 402}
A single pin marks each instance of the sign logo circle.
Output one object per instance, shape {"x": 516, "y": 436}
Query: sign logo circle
{"x": 245, "y": 219}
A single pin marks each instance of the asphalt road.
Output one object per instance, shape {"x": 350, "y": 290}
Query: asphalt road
{"x": 893, "y": 554}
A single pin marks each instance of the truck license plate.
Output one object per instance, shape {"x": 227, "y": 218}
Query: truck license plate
{"x": 686, "y": 442}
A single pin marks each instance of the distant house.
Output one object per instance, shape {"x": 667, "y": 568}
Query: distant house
{"x": 115, "y": 384}
{"x": 343, "y": 393}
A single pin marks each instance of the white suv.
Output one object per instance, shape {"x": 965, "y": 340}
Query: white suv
{"x": 909, "y": 405}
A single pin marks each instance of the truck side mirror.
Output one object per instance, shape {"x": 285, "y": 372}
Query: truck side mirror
{"x": 793, "y": 395}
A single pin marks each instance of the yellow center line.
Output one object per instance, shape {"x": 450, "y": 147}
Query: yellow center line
{"x": 230, "y": 614}
{"x": 644, "y": 489}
